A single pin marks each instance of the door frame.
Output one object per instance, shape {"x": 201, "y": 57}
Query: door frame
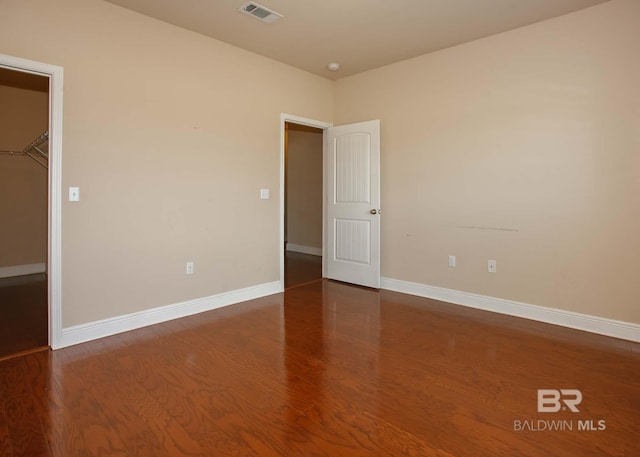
{"x": 54, "y": 264}
{"x": 284, "y": 118}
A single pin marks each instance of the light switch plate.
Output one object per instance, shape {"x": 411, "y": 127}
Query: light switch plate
{"x": 74, "y": 194}
{"x": 264, "y": 194}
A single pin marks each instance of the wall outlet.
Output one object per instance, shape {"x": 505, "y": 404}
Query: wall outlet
{"x": 452, "y": 261}
{"x": 491, "y": 266}
{"x": 189, "y": 269}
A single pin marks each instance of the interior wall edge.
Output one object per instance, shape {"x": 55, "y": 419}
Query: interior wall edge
{"x": 585, "y": 322}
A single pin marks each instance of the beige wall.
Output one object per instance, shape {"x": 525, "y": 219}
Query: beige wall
{"x": 23, "y": 183}
{"x": 304, "y": 188}
{"x": 170, "y": 135}
{"x": 523, "y": 147}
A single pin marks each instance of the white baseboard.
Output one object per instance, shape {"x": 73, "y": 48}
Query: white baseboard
{"x": 304, "y": 249}
{"x": 22, "y": 270}
{"x": 593, "y": 324}
{"x": 107, "y": 327}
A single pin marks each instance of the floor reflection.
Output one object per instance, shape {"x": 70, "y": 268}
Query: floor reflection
{"x": 331, "y": 359}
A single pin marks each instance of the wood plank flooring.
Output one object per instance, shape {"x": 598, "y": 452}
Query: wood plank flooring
{"x": 23, "y": 314}
{"x": 301, "y": 269}
{"x": 324, "y": 369}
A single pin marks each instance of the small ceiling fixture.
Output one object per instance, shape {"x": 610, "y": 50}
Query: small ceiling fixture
{"x": 333, "y": 66}
{"x": 260, "y": 12}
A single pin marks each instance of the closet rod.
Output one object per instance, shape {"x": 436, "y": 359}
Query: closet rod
{"x": 33, "y": 146}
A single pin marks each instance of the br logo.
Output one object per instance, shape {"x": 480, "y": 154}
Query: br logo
{"x": 552, "y": 400}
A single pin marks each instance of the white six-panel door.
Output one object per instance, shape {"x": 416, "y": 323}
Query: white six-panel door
{"x": 353, "y": 204}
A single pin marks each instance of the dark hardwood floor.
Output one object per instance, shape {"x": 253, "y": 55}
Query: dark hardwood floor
{"x": 23, "y": 314}
{"x": 324, "y": 369}
{"x": 301, "y": 269}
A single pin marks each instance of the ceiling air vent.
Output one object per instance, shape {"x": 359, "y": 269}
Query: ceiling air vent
{"x": 260, "y": 12}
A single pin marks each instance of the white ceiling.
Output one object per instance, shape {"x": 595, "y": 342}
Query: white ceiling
{"x": 359, "y": 34}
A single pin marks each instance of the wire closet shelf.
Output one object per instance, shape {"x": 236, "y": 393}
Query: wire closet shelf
{"x": 35, "y": 150}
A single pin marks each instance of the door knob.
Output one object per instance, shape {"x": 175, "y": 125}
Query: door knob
{"x": 374, "y": 211}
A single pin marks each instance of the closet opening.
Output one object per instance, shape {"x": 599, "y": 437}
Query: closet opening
{"x": 24, "y": 206}
{"x": 303, "y": 193}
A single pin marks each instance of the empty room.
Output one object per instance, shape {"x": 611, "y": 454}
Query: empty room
{"x": 345, "y": 228}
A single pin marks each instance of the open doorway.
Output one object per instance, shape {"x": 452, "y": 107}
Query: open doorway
{"x": 24, "y": 189}
{"x": 350, "y": 200}
{"x": 303, "y": 209}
